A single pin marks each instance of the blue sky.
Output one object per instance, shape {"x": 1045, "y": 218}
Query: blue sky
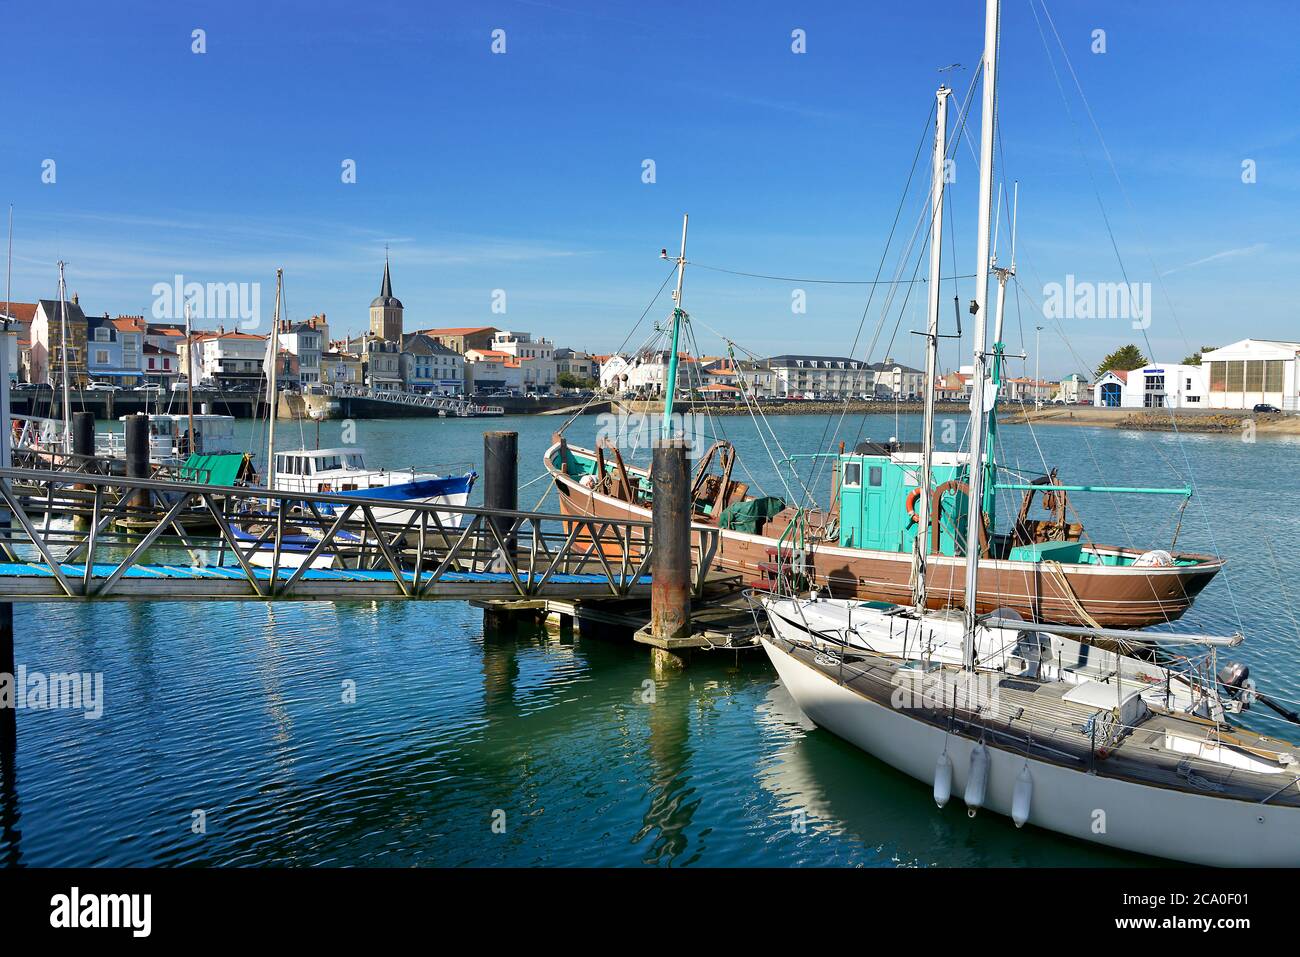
{"x": 523, "y": 171}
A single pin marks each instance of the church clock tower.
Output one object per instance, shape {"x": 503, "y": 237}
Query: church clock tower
{"x": 386, "y": 311}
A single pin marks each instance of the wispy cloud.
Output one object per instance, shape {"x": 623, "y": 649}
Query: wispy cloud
{"x": 1223, "y": 254}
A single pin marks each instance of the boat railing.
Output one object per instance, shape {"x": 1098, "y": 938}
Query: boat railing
{"x": 428, "y": 547}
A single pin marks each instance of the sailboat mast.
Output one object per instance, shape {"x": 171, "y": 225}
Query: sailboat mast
{"x": 1002, "y": 274}
{"x": 922, "y": 547}
{"x": 63, "y": 348}
{"x": 975, "y": 469}
{"x": 273, "y": 357}
{"x": 189, "y": 375}
{"x": 6, "y": 423}
{"x": 670, "y": 383}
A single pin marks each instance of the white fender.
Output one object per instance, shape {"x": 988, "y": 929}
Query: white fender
{"x": 977, "y": 781}
{"x": 943, "y": 779}
{"x": 1021, "y": 796}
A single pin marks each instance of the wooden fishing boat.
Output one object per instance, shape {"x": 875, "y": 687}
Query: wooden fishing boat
{"x": 1040, "y": 568}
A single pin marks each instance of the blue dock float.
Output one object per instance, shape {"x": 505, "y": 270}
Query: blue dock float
{"x": 33, "y": 581}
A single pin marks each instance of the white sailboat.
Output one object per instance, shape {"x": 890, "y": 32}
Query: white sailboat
{"x": 1035, "y": 722}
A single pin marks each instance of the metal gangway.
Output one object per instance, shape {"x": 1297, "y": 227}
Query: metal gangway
{"x": 451, "y": 405}
{"x": 84, "y": 536}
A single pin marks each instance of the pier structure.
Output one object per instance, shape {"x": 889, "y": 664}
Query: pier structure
{"x": 89, "y": 528}
{"x": 359, "y": 402}
{"x": 281, "y": 546}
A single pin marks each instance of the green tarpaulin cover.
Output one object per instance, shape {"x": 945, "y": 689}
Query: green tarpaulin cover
{"x": 750, "y": 516}
{"x": 223, "y": 469}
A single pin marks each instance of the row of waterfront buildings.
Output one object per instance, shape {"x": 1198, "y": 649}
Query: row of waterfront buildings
{"x": 129, "y": 351}
{"x": 1238, "y": 376}
{"x": 132, "y": 351}
{"x": 794, "y": 377}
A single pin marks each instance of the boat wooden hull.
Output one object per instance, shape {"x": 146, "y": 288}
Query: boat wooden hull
{"x": 1112, "y": 596}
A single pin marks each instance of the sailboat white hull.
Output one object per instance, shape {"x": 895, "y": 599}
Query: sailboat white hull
{"x": 1149, "y": 820}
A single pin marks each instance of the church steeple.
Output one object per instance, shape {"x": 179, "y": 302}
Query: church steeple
{"x": 386, "y": 291}
{"x": 386, "y": 309}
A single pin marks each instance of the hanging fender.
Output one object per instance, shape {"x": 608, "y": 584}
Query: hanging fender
{"x": 943, "y": 779}
{"x": 1021, "y": 796}
{"x": 977, "y": 780}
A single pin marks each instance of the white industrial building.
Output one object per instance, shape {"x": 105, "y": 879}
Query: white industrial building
{"x": 1156, "y": 386}
{"x": 1254, "y": 371}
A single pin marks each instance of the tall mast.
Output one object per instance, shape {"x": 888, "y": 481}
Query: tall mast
{"x": 189, "y": 374}
{"x": 922, "y": 544}
{"x": 273, "y": 358}
{"x": 6, "y": 426}
{"x": 1002, "y": 274}
{"x": 63, "y": 348}
{"x": 670, "y": 385}
{"x": 975, "y": 469}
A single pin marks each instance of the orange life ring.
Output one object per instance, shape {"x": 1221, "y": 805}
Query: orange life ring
{"x": 913, "y": 497}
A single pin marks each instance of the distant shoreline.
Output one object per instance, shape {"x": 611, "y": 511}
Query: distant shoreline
{"x": 804, "y": 407}
{"x": 1216, "y": 421}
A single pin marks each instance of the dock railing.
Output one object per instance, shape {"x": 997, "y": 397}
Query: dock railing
{"x": 452, "y": 405}
{"x": 80, "y": 535}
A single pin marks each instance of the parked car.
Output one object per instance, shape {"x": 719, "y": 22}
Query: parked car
{"x": 1265, "y": 407}
{"x": 103, "y": 387}
{"x": 151, "y": 387}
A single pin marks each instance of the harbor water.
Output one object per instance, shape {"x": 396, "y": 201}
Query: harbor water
{"x": 364, "y": 734}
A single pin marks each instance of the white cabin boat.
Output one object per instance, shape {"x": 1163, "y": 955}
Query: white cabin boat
{"x": 169, "y": 438}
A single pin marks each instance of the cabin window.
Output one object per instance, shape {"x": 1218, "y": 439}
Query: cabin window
{"x": 876, "y": 474}
{"x": 853, "y": 474}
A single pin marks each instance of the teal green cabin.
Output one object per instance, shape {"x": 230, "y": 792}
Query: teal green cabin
{"x": 873, "y": 493}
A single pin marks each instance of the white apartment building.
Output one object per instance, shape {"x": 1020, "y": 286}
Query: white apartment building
{"x": 821, "y": 377}
{"x": 540, "y": 373}
{"x": 487, "y": 370}
{"x": 1253, "y": 371}
{"x": 228, "y": 359}
{"x": 307, "y": 341}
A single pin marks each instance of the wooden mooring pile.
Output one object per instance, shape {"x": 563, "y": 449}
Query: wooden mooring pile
{"x": 686, "y": 613}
